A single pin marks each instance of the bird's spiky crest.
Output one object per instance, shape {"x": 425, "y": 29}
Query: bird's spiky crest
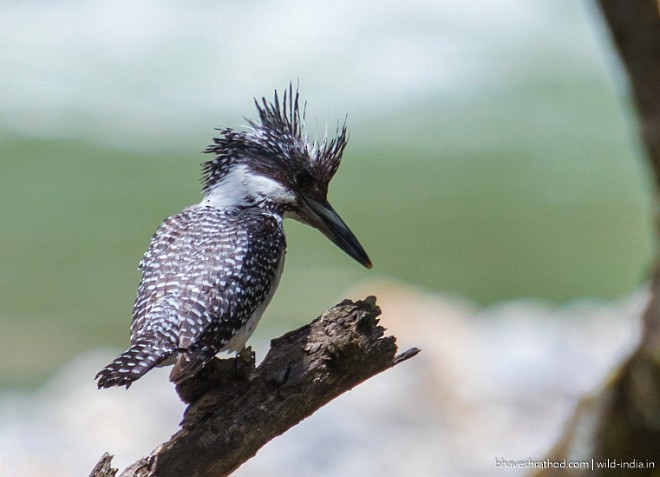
{"x": 283, "y": 117}
{"x": 279, "y": 133}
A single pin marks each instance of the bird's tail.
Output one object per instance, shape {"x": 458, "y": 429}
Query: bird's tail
{"x": 144, "y": 354}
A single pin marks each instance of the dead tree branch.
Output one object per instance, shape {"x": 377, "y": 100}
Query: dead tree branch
{"x": 236, "y": 407}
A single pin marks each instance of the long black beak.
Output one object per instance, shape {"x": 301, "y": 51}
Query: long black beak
{"x": 322, "y": 216}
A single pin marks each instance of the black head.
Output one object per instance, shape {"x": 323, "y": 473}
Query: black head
{"x": 273, "y": 165}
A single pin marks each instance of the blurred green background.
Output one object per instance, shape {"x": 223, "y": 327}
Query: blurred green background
{"x": 493, "y": 154}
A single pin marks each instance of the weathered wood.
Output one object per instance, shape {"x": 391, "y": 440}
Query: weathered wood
{"x": 103, "y": 467}
{"x": 235, "y": 407}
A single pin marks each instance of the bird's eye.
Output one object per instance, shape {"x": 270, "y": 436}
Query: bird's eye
{"x": 303, "y": 179}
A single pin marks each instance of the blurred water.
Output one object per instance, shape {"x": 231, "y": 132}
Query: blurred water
{"x": 491, "y": 154}
{"x": 150, "y": 73}
{"x": 492, "y": 157}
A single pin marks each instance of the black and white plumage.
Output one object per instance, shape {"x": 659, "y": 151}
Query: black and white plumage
{"x": 211, "y": 270}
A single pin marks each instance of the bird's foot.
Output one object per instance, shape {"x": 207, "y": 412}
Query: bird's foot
{"x": 244, "y": 361}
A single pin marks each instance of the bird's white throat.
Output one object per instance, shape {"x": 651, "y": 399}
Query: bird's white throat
{"x": 242, "y": 186}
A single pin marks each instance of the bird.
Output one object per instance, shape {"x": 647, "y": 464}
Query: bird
{"x": 211, "y": 270}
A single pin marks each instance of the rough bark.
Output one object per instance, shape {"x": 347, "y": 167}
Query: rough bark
{"x": 104, "y": 468}
{"x": 635, "y": 30}
{"x": 621, "y": 424}
{"x": 235, "y": 407}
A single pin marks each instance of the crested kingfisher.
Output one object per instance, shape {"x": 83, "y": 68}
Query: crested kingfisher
{"x": 211, "y": 270}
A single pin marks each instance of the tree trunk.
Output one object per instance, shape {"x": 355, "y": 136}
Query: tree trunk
{"x": 618, "y": 430}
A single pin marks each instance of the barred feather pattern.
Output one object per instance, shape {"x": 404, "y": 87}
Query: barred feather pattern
{"x": 208, "y": 274}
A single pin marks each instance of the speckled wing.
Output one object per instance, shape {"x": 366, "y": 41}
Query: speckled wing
{"x": 205, "y": 274}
